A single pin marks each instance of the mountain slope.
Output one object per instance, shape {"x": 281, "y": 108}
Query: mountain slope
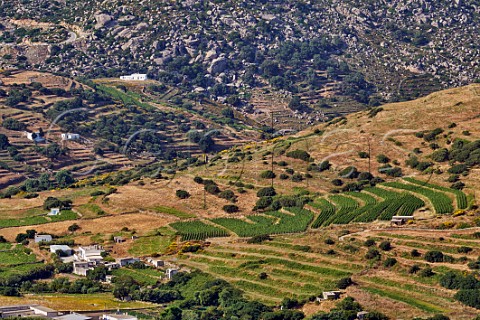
{"x": 355, "y": 52}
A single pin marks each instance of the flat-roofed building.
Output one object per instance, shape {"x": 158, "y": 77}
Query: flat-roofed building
{"x": 42, "y": 238}
{"x": 118, "y": 316}
{"x": 73, "y": 316}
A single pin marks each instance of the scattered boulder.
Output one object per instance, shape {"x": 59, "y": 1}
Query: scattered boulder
{"x": 218, "y": 65}
{"x": 102, "y": 20}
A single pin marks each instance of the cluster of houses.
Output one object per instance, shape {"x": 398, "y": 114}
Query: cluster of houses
{"x": 35, "y": 310}
{"x": 135, "y": 77}
{"x": 38, "y": 137}
{"x": 86, "y": 258}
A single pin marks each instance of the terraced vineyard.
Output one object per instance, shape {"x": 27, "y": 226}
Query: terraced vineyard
{"x": 291, "y": 221}
{"x": 197, "y": 230}
{"x": 327, "y": 210}
{"x": 345, "y": 207}
{"x": 375, "y": 203}
{"x": 461, "y": 197}
{"x": 291, "y": 273}
{"x": 303, "y": 266}
{"x": 440, "y": 201}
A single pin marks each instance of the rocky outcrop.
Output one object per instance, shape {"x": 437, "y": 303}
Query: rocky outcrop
{"x": 102, "y": 20}
{"x": 218, "y": 65}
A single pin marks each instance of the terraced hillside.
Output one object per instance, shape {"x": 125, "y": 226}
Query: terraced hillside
{"x": 121, "y": 125}
{"x": 402, "y": 198}
{"x": 302, "y": 266}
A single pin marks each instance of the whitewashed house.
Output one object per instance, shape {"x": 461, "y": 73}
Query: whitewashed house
{"x": 126, "y": 261}
{"x": 91, "y": 254}
{"x": 63, "y": 248}
{"x": 42, "y": 238}
{"x": 331, "y": 295}
{"x": 156, "y": 263}
{"x": 70, "y": 136}
{"x": 34, "y": 136}
{"x": 135, "y": 77}
{"x": 27, "y": 310}
{"x": 118, "y": 316}
{"x": 54, "y": 212}
{"x": 170, "y": 273}
{"x": 81, "y": 268}
{"x": 73, "y": 316}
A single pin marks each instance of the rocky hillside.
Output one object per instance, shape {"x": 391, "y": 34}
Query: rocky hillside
{"x": 330, "y": 56}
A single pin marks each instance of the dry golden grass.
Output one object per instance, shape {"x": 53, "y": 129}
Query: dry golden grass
{"x": 142, "y": 223}
{"x": 46, "y": 79}
{"x": 74, "y": 302}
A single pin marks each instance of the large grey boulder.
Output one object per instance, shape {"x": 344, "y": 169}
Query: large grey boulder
{"x": 217, "y": 66}
{"x": 102, "y": 20}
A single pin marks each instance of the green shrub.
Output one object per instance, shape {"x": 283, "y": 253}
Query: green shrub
{"x": 230, "y": 208}
{"x": 323, "y": 166}
{"x": 297, "y": 177}
{"x": 329, "y": 241}
{"x": 259, "y": 238}
{"x": 344, "y": 283}
{"x": 267, "y": 174}
{"x": 385, "y": 245}
{"x": 414, "y": 269}
{"x": 440, "y": 155}
{"x": 182, "y": 194}
{"x": 389, "y": 262}
{"x": 426, "y": 273}
{"x": 263, "y": 202}
{"x": 349, "y": 172}
{"x": 266, "y": 192}
{"x": 299, "y": 154}
{"x": 414, "y": 253}
{"x": 227, "y": 194}
{"x": 212, "y": 188}
{"x": 434, "y": 256}
{"x": 363, "y": 155}
{"x": 372, "y": 253}
{"x": 464, "y": 249}
{"x": 381, "y": 158}
{"x": 337, "y": 182}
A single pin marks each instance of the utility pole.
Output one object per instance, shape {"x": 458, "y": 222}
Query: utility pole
{"x": 369, "y": 157}
{"x": 307, "y": 144}
{"x": 273, "y": 147}
{"x": 204, "y": 199}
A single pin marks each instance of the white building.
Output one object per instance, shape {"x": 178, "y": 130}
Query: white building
{"x": 42, "y": 238}
{"x": 126, "y": 261}
{"x": 27, "y": 310}
{"x": 65, "y": 249}
{"x": 331, "y": 295}
{"x": 54, "y": 212}
{"x": 34, "y": 136}
{"x": 73, "y": 316}
{"x": 170, "y": 273}
{"x": 135, "y": 77}
{"x": 70, "y": 136}
{"x": 90, "y": 254}
{"x": 112, "y": 265}
{"x": 120, "y": 316}
{"x": 81, "y": 268}
{"x": 156, "y": 263}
